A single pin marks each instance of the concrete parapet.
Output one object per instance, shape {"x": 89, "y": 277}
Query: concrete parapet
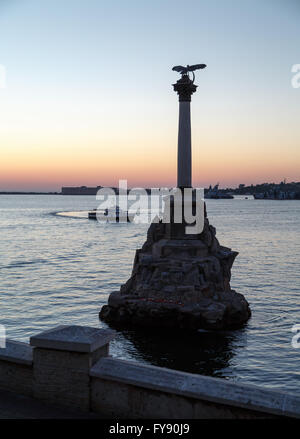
{"x": 62, "y": 359}
{"x": 69, "y": 366}
{"x": 122, "y": 388}
{"x": 16, "y": 372}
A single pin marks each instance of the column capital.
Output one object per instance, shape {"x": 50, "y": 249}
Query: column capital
{"x": 185, "y": 87}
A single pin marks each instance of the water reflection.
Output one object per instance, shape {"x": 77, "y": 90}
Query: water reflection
{"x": 206, "y": 353}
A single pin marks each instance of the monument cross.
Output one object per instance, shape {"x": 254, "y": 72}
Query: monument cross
{"x": 185, "y": 87}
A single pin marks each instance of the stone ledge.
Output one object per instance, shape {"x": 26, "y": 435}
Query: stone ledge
{"x": 216, "y": 390}
{"x": 16, "y": 352}
{"x": 73, "y": 338}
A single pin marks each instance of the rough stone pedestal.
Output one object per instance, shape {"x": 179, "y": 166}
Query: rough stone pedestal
{"x": 179, "y": 283}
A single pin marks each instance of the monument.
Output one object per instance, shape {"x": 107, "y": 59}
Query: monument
{"x": 180, "y": 280}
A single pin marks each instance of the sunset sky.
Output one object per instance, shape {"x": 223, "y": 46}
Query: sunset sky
{"x": 89, "y": 96}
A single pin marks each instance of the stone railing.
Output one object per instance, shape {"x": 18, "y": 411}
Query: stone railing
{"x": 70, "y": 366}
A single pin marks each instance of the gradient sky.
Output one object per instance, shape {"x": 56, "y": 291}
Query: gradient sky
{"x": 89, "y": 99}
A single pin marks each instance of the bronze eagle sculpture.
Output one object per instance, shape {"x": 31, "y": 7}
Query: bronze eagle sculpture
{"x": 185, "y": 70}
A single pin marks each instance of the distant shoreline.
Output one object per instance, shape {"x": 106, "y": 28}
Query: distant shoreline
{"x": 264, "y": 191}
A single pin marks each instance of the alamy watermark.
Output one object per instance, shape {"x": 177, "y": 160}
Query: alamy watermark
{"x": 296, "y": 338}
{"x": 295, "y": 81}
{"x": 2, "y": 77}
{"x": 2, "y": 337}
{"x": 139, "y": 205}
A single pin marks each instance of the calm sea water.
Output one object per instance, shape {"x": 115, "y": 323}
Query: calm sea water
{"x": 60, "y": 270}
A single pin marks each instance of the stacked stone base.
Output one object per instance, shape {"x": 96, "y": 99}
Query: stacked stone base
{"x": 124, "y": 311}
{"x": 181, "y": 283}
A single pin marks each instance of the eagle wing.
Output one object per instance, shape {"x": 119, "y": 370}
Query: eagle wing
{"x": 196, "y": 67}
{"x": 179, "y": 69}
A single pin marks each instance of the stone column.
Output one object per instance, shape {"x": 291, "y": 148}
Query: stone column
{"x": 185, "y": 88}
{"x": 62, "y": 359}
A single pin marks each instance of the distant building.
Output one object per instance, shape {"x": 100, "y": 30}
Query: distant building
{"x": 81, "y": 190}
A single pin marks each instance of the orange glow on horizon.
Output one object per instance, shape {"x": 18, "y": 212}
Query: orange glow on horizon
{"x": 48, "y": 151}
{"x": 39, "y": 170}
